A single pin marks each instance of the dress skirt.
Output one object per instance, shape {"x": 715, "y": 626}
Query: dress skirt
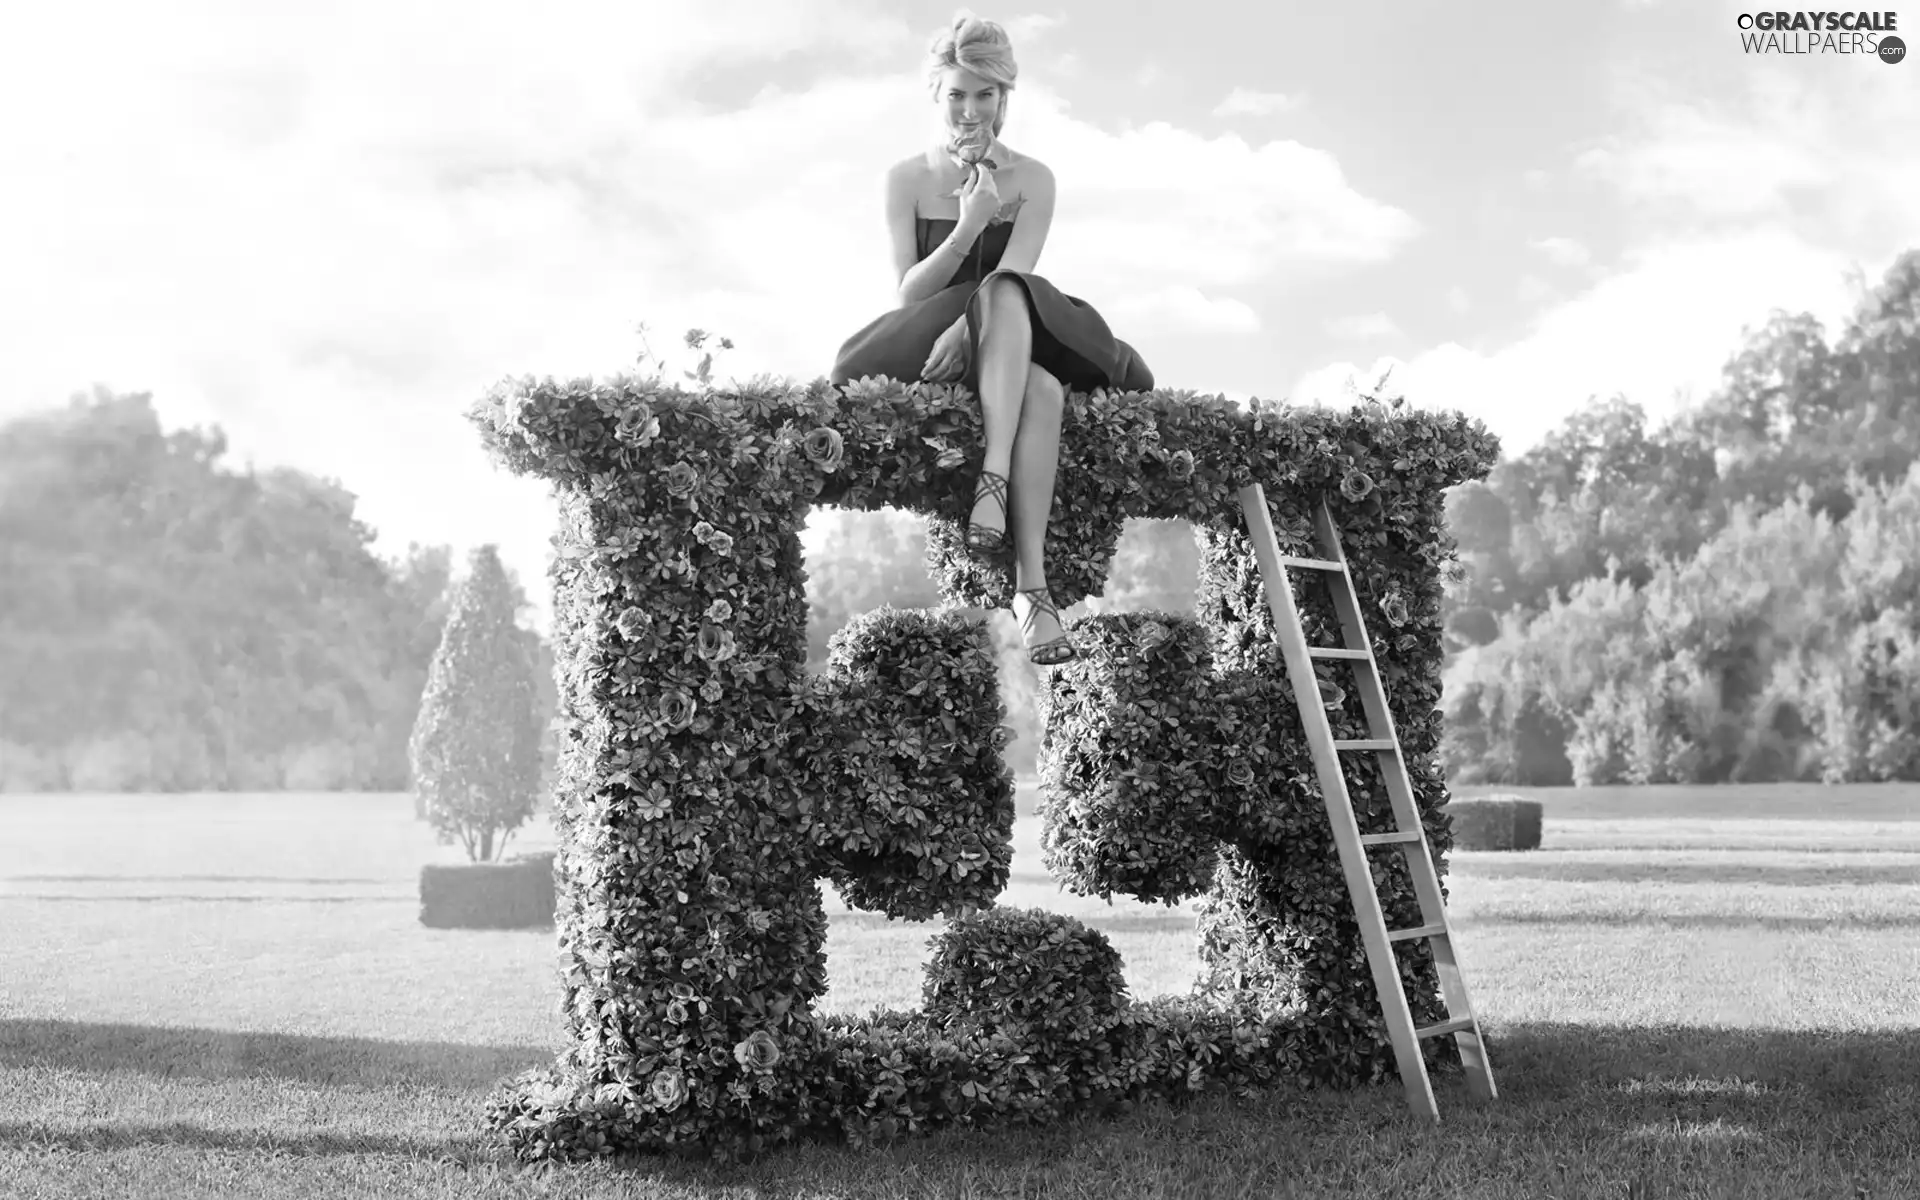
{"x": 1070, "y": 338}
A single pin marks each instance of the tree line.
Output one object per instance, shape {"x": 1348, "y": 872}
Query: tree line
{"x": 171, "y": 623}
{"x": 1732, "y": 596}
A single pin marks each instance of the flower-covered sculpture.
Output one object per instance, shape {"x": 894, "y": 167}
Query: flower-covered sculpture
{"x": 709, "y": 784}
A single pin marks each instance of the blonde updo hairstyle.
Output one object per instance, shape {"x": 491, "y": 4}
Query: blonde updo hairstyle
{"x": 976, "y": 45}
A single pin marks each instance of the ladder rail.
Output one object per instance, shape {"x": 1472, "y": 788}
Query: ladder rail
{"x": 1406, "y": 810}
{"x": 1333, "y": 791}
{"x": 1410, "y": 834}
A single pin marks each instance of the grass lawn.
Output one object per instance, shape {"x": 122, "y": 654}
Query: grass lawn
{"x": 1688, "y": 992}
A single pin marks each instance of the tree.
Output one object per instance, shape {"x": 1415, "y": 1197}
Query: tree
{"x": 1482, "y": 526}
{"x": 476, "y": 744}
{"x": 190, "y": 626}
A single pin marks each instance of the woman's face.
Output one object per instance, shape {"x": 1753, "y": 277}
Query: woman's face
{"x": 968, "y": 100}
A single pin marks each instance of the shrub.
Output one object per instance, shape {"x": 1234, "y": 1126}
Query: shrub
{"x": 708, "y": 783}
{"x": 1495, "y": 823}
{"x": 1032, "y": 974}
{"x": 514, "y": 894}
{"x": 475, "y": 748}
{"x": 1474, "y": 626}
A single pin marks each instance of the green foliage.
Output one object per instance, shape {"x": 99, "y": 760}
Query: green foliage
{"x": 189, "y": 626}
{"x": 1500, "y": 727}
{"x": 1029, "y": 973}
{"x": 1862, "y": 691}
{"x": 909, "y": 699}
{"x": 1724, "y": 667}
{"x": 1679, "y": 604}
{"x": 709, "y": 782}
{"x": 475, "y": 749}
{"x": 1145, "y": 770}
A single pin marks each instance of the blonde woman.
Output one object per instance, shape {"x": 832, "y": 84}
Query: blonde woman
{"x": 967, "y": 218}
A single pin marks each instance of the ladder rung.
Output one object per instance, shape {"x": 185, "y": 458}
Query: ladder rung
{"x": 1387, "y": 839}
{"x": 1457, "y": 1025}
{"x": 1367, "y": 744}
{"x": 1313, "y": 564}
{"x": 1336, "y": 652}
{"x": 1424, "y": 931}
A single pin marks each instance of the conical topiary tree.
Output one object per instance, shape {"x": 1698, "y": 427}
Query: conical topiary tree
{"x": 475, "y": 749}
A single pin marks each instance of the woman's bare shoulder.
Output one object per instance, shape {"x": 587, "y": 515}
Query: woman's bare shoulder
{"x": 908, "y": 177}
{"x": 1027, "y": 161}
{"x": 920, "y": 180}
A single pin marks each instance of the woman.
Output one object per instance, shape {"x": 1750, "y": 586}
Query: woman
{"x": 967, "y": 219}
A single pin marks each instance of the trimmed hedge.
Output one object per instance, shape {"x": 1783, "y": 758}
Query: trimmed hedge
{"x": 1495, "y": 823}
{"x": 708, "y": 783}
{"x": 516, "y": 893}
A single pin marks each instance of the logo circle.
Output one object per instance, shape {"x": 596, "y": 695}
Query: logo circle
{"x": 1892, "y": 49}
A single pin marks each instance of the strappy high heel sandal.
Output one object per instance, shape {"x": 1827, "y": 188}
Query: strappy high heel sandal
{"x": 989, "y": 542}
{"x": 1049, "y": 653}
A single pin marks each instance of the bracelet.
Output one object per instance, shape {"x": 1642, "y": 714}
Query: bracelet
{"x": 953, "y": 244}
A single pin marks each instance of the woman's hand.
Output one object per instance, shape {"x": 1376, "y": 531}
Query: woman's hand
{"x": 980, "y": 199}
{"x": 948, "y": 361}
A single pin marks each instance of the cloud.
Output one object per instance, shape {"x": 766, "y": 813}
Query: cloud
{"x": 1658, "y": 331}
{"x": 1737, "y": 201}
{"x": 1030, "y": 28}
{"x": 1245, "y": 102}
{"x": 1183, "y": 308}
{"x": 1562, "y": 251}
{"x": 1363, "y": 325}
{"x": 1208, "y": 211}
{"x": 1457, "y": 299}
{"x": 330, "y": 240}
{"x": 1823, "y": 146}
{"x": 1720, "y": 168}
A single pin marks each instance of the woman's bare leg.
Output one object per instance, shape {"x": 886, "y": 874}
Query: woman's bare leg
{"x": 1005, "y": 341}
{"x": 1036, "y": 461}
{"x": 1028, "y": 417}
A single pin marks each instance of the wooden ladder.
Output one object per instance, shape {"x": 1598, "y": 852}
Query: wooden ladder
{"x": 1353, "y": 845}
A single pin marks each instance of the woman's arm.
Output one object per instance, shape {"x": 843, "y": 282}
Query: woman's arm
{"x": 918, "y": 280}
{"x": 1034, "y": 207}
{"x": 1035, "y": 218}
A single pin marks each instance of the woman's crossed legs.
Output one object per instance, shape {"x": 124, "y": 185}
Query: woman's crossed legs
{"x": 1021, "y": 407}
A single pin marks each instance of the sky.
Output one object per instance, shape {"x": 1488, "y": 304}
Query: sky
{"x": 328, "y": 228}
